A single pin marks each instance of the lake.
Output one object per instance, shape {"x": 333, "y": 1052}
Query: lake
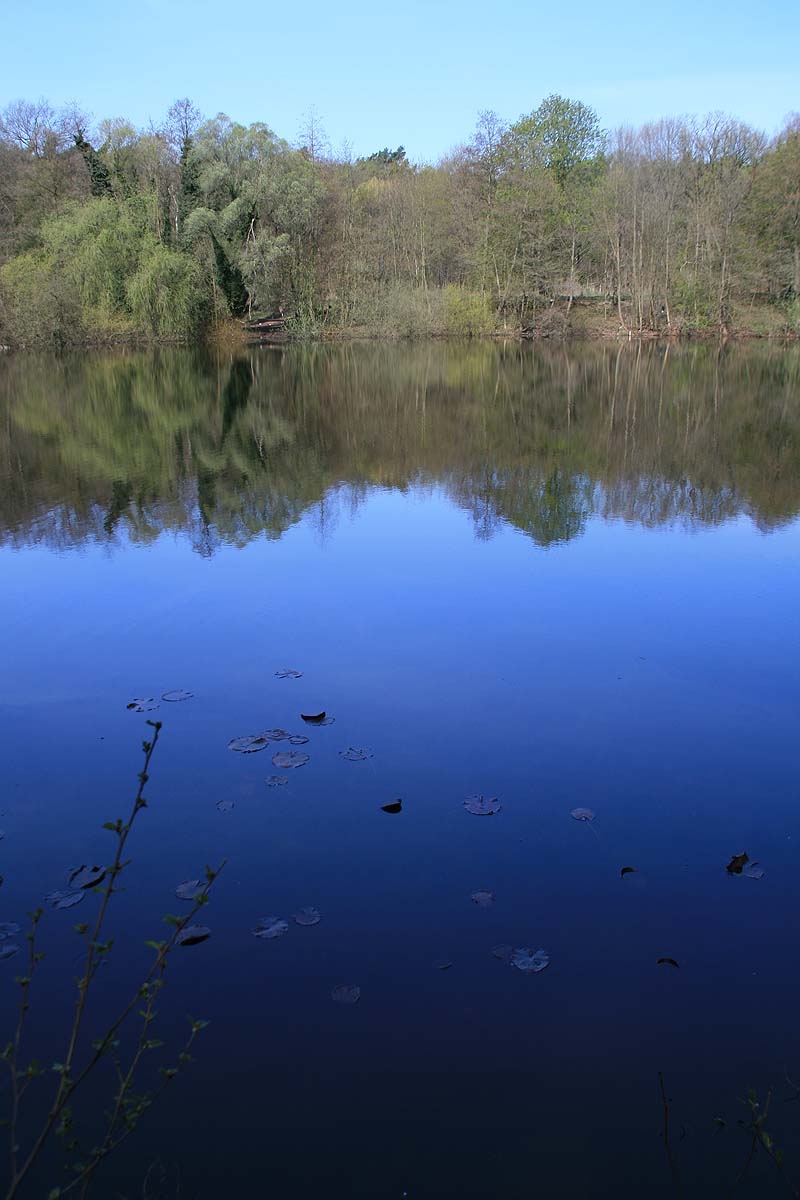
{"x": 564, "y": 577}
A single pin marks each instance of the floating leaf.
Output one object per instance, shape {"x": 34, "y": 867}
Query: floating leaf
{"x": 275, "y": 735}
{"x": 225, "y": 805}
{"x": 289, "y": 673}
{"x": 737, "y": 864}
{"x": 443, "y": 964}
{"x": 504, "y": 953}
{"x": 313, "y": 718}
{"x": 193, "y": 935}
{"x": 64, "y": 899}
{"x": 346, "y": 993}
{"x": 142, "y": 704}
{"x": 582, "y": 814}
{"x": 530, "y": 961}
{"x": 287, "y": 760}
{"x": 298, "y": 739}
{"x": 484, "y": 899}
{"x": 268, "y": 928}
{"x": 628, "y": 871}
{"x": 190, "y": 889}
{"x": 754, "y": 871}
{"x": 669, "y": 962}
{"x": 308, "y": 916}
{"x": 86, "y": 877}
{"x": 8, "y": 950}
{"x": 276, "y": 780}
{"x": 395, "y": 807}
{"x": 7, "y": 929}
{"x": 482, "y": 806}
{"x": 356, "y": 754}
{"x": 249, "y": 743}
{"x": 176, "y": 696}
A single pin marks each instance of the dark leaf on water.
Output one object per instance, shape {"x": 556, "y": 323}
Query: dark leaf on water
{"x": 8, "y": 950}
{"x": 313, "y": 718}
{"x": 298, "y": 739}
{"x": 288, "y": 673}
{"x": 249, "y": 743}
{"x": 737, "y": 864}
{"x": 225, "y": 805}
{"x": 670, "y": 962}
{"x": 395, "y": 807}
{"x": 268, "y": 928}
{"x": 193, "y": 935}
{"x": 627, "y": 871}
{"x": 484, "y": 899}
{"x": 754, "y": 871}
{"x": 86, "y": 877}
{"x": 504, "y": 953}
{"x": 176, "y": 696}
{"x": 308, "y": 916}
{"x": 190, "y": 889}
{"x": 142, "y": 704}
{"x": 287, "y": 760}
{"x": 276, "y": 780}
{"x": 530, "y": 961}
{"x": 482, "y": 806}
{"x": 582, "y": 814}
{"x": 8, "y": 929}
{"x": 64, "y": 899}
{"x": 356, "y": 754}
{"x": 346, "y": 993}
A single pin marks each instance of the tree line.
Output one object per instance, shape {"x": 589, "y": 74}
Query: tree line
{"x": 112, "y": 232}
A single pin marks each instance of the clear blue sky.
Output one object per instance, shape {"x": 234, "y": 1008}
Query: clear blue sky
{"x": 414, "y": 73}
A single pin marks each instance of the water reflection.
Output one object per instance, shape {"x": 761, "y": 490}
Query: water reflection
{"x": 225, "y": 448}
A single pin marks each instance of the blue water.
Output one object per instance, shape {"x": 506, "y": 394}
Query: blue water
{"x": 645, "y": 669}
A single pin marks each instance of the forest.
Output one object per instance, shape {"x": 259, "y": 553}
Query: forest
{"x": 540, "y": 227}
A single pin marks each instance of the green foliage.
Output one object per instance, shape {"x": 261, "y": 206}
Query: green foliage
{"x": 165, "y": 295}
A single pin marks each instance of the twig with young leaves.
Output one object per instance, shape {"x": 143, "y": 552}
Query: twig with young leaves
{"x": 128, "y": 1107}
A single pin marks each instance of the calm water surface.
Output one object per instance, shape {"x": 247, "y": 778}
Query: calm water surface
{"x": 563, "y": 578}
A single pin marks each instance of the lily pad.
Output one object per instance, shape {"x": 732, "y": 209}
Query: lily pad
{"x": 190, "y": 889}
{"x": 248, "y": 743}
{"x": 193, "y": 935}
{"x": 754, "y": 871}
{"x": 737, "y": 864}
{"x": 313, "y": 718}
{"x": 8, "y": 950}
{"x": 8, "y": 929}
{"x": 308, "y": 916}
{"x": 289, "y": 673}
{"x": 670, "y": 962}
{"x": 268, "y": 928}
{"x": 482, "y": 806}
{"x": 582, "y": 814}
{"x": 346, "y": 993}
{"x": 530, "y": 961}
{"x": 276, "y": 780}
{"x": 395, "y": 807}
{"x": 288, "y": 760}
{"x": 225, "y": 805}
{"x": 275, "y": 735}
{"x": 86, "y": 877}
{"x": 174, "y": 697}
{"x": 503, "y": 953}
{"x": 64, "y": 899}
{"x": 628, "y": 871}
{"x": 298, "y": 739}
{"x": 356, "y": 754}
{"x": 483, "y": 898}
{"x": 142, "y": 704}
